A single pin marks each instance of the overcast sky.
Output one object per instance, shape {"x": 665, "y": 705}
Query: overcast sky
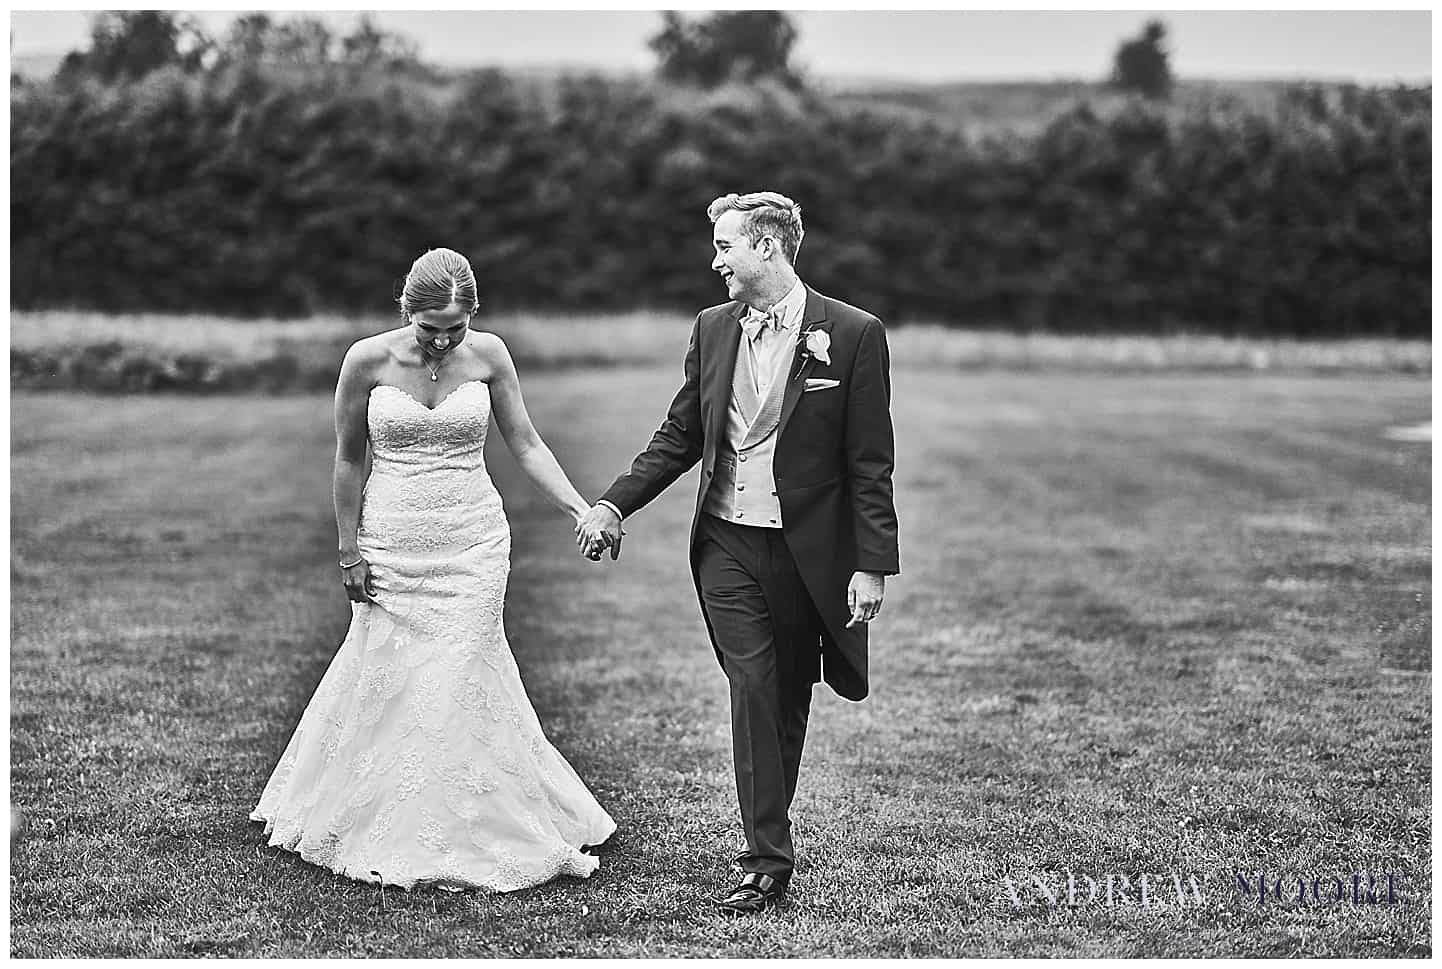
{"x": 1370, "y": 47}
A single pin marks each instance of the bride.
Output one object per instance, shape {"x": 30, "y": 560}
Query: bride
{"x": 420, "y": 759}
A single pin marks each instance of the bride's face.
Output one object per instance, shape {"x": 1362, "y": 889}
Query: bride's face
{"x": 438, "y": 332}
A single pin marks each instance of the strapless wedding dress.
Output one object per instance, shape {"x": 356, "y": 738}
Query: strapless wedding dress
{"x": 420, "y": 758}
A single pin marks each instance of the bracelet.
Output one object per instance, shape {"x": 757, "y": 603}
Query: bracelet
{"x": 351, "y": 565}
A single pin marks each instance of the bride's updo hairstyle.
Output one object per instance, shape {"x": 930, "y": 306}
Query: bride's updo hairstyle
{"x": 437, "y": 280}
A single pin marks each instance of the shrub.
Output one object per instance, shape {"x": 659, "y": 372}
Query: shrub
{"x": 273, "y": 190}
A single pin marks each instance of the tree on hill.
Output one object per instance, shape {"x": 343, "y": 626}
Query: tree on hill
{"x": 256, "y": 39}
{"x": 1141, "y": 64}
{"x": 369, "y": 46}
{"x": 126, "y": 45}
{"x": 731, "y": 45}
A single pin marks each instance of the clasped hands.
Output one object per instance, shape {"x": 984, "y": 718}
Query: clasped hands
{"x": 597, "y": 530}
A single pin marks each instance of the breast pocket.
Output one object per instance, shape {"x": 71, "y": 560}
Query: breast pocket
{"x": 823, "y": 404}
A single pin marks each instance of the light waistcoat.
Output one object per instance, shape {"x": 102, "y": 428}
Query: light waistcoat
{"x": 743, "y": 487}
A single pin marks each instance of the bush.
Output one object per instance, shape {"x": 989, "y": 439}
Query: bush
{"x": 269, "y": 190}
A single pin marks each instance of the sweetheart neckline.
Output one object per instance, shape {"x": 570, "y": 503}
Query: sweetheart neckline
{"x": 439, "y": 404}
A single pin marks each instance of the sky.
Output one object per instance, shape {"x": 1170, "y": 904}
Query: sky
{"x": 1374, "y": 47}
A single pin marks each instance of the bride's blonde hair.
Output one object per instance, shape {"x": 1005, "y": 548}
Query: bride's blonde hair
{"x": 439, "y": 279}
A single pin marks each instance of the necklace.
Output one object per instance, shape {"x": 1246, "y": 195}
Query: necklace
{"x": 435, "y": 374}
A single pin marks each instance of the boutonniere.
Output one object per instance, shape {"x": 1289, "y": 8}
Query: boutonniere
{"x": 818, "y": 345}
{"x": 815, "y": 345}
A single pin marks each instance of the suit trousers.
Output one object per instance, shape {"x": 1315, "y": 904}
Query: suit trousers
{"x": 769, "y": 635}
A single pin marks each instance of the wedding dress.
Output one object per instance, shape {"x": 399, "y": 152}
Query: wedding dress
{"x": 420, "y": 758}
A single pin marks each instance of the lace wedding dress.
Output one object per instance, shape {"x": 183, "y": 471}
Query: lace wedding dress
{"x": 420, "y": 758}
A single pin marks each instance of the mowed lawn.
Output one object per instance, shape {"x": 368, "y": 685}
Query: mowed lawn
{"x": 1146, "y": 624}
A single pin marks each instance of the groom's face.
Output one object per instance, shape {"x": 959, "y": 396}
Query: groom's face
{"x": 741, "y": 267}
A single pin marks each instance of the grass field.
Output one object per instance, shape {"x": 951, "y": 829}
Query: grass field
{"x": 52, "y": 350}
{"x": 1147, "y": 623}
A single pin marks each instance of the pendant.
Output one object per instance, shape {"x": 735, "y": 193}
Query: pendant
{"x": 434, "y": 378}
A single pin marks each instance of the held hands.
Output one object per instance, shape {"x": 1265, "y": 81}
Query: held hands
{"x": 863, "y": 596}
{"x": 598, "y": 529}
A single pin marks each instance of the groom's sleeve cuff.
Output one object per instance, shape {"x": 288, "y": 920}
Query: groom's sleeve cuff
{"x": 603, "y": 501}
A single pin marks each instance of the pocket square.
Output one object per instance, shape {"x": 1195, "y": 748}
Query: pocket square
{"x": 819, "y": 383}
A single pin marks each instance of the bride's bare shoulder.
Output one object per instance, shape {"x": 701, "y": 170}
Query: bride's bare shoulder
{"x": 491, "y": 349}
{"x": 367, "y": 356}
{"x": 375, "y": 349}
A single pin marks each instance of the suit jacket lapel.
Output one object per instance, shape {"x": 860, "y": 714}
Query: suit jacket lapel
{"x": 723, "y": 376}
{"x": 814, "y": 318}
{"x": 767, "y": 415}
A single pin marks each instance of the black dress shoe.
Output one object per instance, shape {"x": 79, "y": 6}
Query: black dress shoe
{"x": 756, "y": 893}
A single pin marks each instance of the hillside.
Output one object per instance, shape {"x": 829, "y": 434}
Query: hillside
{"x": 35, "y": 67}
{"x": 1025, "y": 107}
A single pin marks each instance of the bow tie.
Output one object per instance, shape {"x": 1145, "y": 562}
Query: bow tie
{"x": 753, "y": 323}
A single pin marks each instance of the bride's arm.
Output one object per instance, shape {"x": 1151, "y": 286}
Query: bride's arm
{"x": 352, "y": 394}
{"x": 531, "y": 453}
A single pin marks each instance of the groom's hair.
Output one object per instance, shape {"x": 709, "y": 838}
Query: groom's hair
{"x": 767, "y": 213}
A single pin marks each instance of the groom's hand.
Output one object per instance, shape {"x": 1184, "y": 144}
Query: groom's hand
{"x": 863, "y": 595}
{"x": 597, "y": 529}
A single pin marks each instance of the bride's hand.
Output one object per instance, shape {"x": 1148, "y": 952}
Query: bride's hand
{"x": 359, "y": 587}
{"x": 597, "y": 530}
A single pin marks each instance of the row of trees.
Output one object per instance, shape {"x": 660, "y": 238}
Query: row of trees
{"x": 127, "y": 45}
{"x": 249, "y": 187}
{"x": 730, "y": 45}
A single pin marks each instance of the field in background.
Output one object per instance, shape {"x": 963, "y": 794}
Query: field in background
{"x": 56, "y": 350}
{"x": 1147, "y": 623}
{"x": 982, "y": 108}
{"x": 979, "y": 108}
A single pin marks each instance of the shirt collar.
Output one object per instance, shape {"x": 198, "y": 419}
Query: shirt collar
{"x": 789, "y": 308}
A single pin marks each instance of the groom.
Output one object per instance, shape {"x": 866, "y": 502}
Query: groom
{"x": 786, "y": 404}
